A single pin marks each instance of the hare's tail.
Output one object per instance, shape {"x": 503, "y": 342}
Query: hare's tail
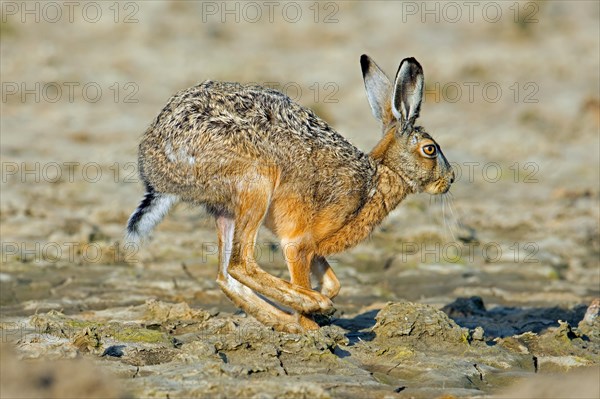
{"x": 151, "y": 210}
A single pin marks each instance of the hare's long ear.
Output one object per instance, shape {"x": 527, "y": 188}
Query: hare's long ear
{"x": 408, "y": 91}
{"x": 377, "y": 84}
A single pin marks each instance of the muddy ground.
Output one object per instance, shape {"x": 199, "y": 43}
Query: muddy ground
{"x": 463, "y": 296}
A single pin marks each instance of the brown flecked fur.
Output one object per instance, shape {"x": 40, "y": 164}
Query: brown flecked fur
{"x": 251, "y": 156}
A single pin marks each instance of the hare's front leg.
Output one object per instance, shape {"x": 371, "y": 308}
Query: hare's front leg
{"x": 243, "y": 296}
{"x": 328, "y": 282}
{"x": 298, "y": 256}
{"x": 252, "y": 205}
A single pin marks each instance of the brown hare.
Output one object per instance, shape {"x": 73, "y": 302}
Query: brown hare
{"x": 253, "y": 157}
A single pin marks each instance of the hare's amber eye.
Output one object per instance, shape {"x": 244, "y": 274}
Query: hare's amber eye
{"x": 429, "y": 150}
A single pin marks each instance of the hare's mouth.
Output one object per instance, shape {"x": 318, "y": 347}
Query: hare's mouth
{"x": 438, "y": 187}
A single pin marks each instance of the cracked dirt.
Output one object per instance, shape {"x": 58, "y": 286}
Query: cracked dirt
{"x": 494, "y": 297}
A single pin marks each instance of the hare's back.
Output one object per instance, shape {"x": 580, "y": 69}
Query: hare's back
{"x": 232, "y": 121}
{"x": 249, "y": 118}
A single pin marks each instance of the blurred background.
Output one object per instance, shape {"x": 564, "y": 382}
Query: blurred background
{"x": 512, "y": 96}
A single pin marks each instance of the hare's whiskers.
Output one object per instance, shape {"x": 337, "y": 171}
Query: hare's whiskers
{"x": 447, "y": 223}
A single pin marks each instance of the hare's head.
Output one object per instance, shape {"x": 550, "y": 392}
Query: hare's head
{"x": 409, "y": 149}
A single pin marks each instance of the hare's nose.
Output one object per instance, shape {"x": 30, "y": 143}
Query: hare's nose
{"x": 452, "y": 178}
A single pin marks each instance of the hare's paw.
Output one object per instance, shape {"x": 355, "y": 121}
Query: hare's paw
{"x": 306, "y": 322}
{"x": 315, "y": 302}
{"x": 296, "y": 324}
{"x": 287, "y": 326}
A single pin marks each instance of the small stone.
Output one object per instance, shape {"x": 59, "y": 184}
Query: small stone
{"x": 477, "y": 334}
{"x": 590, "y": 325}
{"x": 114, "y": 351}
{"x": 592, "y": 311}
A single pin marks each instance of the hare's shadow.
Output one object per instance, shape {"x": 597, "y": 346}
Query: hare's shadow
{"x": 505, "y": 321}
{"x": 358, "y": 327}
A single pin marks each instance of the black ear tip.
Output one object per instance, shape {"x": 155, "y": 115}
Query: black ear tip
{"x": 411, "y": 61}
{"x": 364, "y": 60}
{"x": 365, "y": 63}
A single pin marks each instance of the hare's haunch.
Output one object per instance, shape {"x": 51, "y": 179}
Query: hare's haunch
{"x": 253, "y": 157}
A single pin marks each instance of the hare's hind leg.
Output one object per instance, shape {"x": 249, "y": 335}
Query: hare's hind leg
{"x": 243, "y": 296}
{"x": 252, "y": 206}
